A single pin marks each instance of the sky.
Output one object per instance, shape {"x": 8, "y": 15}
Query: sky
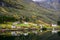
{"x": 38, "y": 0}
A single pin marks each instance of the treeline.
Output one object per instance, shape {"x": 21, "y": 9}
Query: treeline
{"x": 4, "y": 19}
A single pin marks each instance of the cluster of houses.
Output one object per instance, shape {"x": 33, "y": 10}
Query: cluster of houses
{"x": 15, "y": 23}
{"x": 41, "y": 26}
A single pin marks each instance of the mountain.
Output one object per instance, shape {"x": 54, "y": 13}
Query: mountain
{"x": 26, "y": 9}
{"x": 49, "y": 4}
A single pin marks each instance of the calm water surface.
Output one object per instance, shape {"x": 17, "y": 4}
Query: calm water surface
{"x": 29, "y": 35}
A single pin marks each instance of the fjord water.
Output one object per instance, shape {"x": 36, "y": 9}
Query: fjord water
{"x": 32, "y": 35}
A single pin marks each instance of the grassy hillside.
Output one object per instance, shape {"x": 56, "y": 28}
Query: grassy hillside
{"x": 22, "y": 10}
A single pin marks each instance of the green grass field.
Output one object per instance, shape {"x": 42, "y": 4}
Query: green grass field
{"x": 9, "y": 24}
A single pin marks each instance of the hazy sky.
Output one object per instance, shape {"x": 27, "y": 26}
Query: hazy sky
{"x": 38, "y": 0}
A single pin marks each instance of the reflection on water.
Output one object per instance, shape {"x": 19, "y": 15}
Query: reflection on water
{"x": 54, "y": 31}
{"x": 30, "y": 35}
{"x": 41, "y": 31}
{"x": 25, "y": 34}
{"x": 14, "y": 33}
{"x": 18, "y": 33}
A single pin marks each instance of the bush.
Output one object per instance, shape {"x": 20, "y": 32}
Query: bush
{"x": 44, "y": 29}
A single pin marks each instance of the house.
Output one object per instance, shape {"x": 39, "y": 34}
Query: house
{"x": 26, "y": 23}
{"x": 54, "y": 25}
{"x": 16, "y": 23}
{"x": 41, "y": 26}
{"x": 34, "y": 24}
{"x": 18, "y": 27}
{"x": 13, "y": 26}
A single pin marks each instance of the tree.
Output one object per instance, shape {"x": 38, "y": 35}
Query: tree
{"x": 27, "y": 19}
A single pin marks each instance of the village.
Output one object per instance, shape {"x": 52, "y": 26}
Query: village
{"x": 26, "y": 26}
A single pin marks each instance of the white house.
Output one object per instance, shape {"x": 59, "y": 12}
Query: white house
{"x": 41, "y": 25}
{"x": 13, "y": 26}
{"x": 18, "y": 27}
{"x": 54, "y": 25}
{"x": 35, "y": 24}
{"x": 16, "y": 23}
{"x": 25, "y": 22}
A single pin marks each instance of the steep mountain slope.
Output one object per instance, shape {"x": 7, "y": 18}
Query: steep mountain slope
{"x": 29, "y": 9}
{"x": 49, "y": 4}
